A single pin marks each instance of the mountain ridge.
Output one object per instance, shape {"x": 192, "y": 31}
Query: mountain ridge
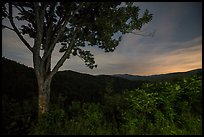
{"x": 18, "y": 79}
{"x": 157, "y": 77}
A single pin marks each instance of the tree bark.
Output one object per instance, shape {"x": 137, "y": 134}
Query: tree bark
{"x": 44, "y": 87}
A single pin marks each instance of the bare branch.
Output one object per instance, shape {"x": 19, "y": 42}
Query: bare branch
{"x": 20, "y": 9}
{"x": 16, "y": 30}
{"x": 39, "y": 12}
{"x": 46, "y": 59}
{"x": 49, "y": 25}
{"x": 39, "y": 21}
{"x": 4, "y": 26}
{"x": 65, "y": 55}
{"x": 81, "y": 58}
{"x": 146, "y": 35}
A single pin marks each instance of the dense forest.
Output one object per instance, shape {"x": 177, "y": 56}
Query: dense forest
{"x": 97, "y": 105}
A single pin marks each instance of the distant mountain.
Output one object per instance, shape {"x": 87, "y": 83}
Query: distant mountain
{"x": 161, "y": 77}
{"x": 19, "y": 81}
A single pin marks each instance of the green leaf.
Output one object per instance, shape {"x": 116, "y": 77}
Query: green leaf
{"x": 178, "y": 87}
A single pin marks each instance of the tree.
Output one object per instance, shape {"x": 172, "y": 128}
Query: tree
{"x": 73, "y": 25}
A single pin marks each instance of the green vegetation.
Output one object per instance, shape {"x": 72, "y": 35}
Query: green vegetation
{"x": 159, "y": 108}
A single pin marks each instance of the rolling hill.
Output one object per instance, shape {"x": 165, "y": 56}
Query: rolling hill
{"x": 19, "y": 82}
{"x": 161, "y": 77}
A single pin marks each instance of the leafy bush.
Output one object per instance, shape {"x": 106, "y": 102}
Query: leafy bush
{"x": 50, "y": 123}
{"x": 163, "y": 108}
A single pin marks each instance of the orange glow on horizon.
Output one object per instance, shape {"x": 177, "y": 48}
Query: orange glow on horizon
{"x": 177, "y": 61}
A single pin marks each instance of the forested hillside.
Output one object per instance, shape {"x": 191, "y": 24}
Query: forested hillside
{"x": 19, "y": 81}
{"x": 19, "y": 88}
{"x": 86, "y": 104}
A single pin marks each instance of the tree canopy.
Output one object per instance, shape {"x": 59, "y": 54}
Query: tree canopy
{"x": 75, "y": 24}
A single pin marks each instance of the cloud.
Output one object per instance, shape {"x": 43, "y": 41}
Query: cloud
{"x": 182, "y": 58}
{"x": 14, "y": 49}
{"x": 134, "y": 57}
{"x": 150, "y": 59}
{"x": 176, "y": 46}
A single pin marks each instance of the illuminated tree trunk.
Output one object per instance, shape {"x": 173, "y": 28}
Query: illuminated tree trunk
{"x": 44, "y": 78}
{"x": 43, "y": 96}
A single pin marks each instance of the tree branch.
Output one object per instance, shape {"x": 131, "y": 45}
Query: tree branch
{"x": 59, "y": 32}
{"x": 40, "y": 12}
{"x": 4, "y": 26}
{"x": 16, "y": 30}
{"x": 21, "y": 10}
{"x": 49, "y": 27}
{"x": 146, "y": 35}
{"x": 66, "y": 54}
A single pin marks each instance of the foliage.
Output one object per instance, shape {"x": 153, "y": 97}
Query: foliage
{"x": 50, "y": 123}
{"x": 161, "y": 108}
{"x": 155, "y": 109}
{"x": 88, "y": 119}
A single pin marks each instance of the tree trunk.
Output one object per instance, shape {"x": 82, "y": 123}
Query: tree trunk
{"x": 43, "y": 95}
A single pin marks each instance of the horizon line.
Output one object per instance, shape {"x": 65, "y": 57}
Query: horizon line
{"x": 110, "y": 74}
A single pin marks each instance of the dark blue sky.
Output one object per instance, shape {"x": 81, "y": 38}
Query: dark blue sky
{"x": 176, "y": 45}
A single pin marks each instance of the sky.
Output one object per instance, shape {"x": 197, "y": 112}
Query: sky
{"x": 175, "y": 47}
